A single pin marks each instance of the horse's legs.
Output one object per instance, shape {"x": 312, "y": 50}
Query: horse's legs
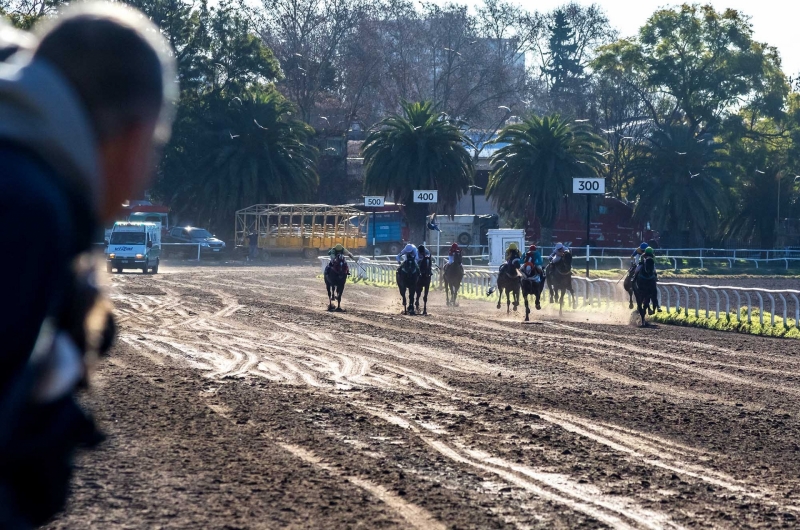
{"x": 516, "y": 298}
{"x": 425, "y": 299}
{"x": 527, "y": 309}
{"x": 411, "y": 302}
{"x": 551, "y": 290}
{"x": 538, "y": 293}
{"x": 455, "y": 294}
{"x": 403, "y": 294}
{"x": 572, "y": 295}
{"x": 508, "y": 301}
{"x": 339, "y": 292}
{"x": 329, "y": 287}
{"x": 499, "y": 300}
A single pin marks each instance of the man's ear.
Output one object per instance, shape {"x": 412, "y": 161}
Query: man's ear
{"x": 126, "y": 166}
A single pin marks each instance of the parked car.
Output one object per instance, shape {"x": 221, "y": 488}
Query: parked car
{"x": 209, "y": 245}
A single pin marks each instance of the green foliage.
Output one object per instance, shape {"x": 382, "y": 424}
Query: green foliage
{"x": 564, "y": 70}
{"x": 253, "y": 152}
{"x": 535, "y": 170}
{"x": 418, "y": 149}
{"x": 695, "y": 62}
{"x": 688, "y": 318}
{"x": 677, "y": 177}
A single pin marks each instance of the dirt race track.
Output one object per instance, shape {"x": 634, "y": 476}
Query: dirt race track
{"x": 234, "y": 400}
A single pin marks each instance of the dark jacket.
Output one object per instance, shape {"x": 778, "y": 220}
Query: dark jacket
{"x": 49, "y": 192}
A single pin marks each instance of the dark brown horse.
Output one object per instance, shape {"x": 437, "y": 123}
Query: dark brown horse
{"x": 645, "y": 289}
{"x": 335, "y": 277}
{"x": 509, "y": 280}
{"x": 424, "y": 282}
{"x": 559, "y": 281}
{"x": 407, "y": 278}
{"x": 453, "y": 274}
{"x": 532, "y": 285}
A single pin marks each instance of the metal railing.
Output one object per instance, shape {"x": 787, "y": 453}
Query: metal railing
{"x": 728, "y": 301}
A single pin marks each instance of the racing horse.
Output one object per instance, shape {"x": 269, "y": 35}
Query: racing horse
{"x": 559, "y": 281}
{"x": 424, "y": 283}
{"x": 335, "y": 277}
{"x": 508, "y": 280}
{"x": 532, "y": 285}
{"x": 627, "y": 284}
{"x": 645, "y": 289}
{"x": 407, "y": 278}
{"x": 452, "y": 275}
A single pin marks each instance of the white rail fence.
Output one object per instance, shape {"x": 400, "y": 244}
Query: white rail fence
{"x": 667, "y": 258}
{"x": 702, "y": 300}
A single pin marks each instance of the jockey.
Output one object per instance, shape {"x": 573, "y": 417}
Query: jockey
{"x": 512, "y": 252}
{"x": 533, "y": 261}
{"x": 453, "y": 249}
{"x": 639, "y": 252}
{"x": 422, "y": 253}
{"x": 338, "y": 250}
{"x": 558, "y": 253}
{"x": 408, "y": 249}
{"x": 649, "y": 253}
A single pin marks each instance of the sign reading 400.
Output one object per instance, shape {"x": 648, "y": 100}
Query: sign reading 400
{"x": 430, "y": 196}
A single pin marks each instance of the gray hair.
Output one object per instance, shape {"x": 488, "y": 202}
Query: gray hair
{"x": 121, "y": 67}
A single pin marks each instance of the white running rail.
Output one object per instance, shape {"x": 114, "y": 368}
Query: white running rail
{"x": 702, "y": 299}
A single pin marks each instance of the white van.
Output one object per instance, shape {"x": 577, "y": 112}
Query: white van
{"x": 134, "y": 246}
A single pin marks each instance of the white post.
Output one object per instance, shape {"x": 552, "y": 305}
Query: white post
{"x": 438, "y": 262}
{"x": 198, "y": 252}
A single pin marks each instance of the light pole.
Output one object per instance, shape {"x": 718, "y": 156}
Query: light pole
{"x": 472, "y": 189}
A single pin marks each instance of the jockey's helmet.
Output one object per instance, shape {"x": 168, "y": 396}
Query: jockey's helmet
{"x": 454, "y": 247}
{"x": 532, "y": 248}
{"x": 512, "y": 246}
{"x": 421, "y": 248}
{"x": 649, "y": 252}
{"x": 338, "y": 247}
{"x": 559, "y": 246}
{"x": 643, "y": 247}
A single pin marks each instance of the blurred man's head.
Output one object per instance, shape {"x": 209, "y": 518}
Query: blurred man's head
{"x": 13, "y": 40}
{"x": 124, "y": 74}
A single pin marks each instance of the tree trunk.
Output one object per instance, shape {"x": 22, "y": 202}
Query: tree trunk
{"x": 416, "y": 216}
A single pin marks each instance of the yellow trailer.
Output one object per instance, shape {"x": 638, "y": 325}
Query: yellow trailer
{"x": 309, "y": 228}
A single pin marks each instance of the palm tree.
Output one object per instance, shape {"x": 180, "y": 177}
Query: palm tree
{"x": 677, "y": 181}
{"x": 255, "y": 153}
{"x": 418, "y": 149}
{"x": 534, "y": 171}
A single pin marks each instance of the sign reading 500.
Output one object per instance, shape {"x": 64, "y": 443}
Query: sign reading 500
{"x": 429, "y": 196}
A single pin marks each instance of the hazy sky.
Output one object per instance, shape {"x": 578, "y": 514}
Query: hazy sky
{"x": 774, "y": 21}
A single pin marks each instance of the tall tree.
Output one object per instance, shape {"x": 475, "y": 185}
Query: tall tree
{"x": 678, "y": 182}
{"x": 697, "y": 65}
{"x": 255, "y": 152}
{"x": 418, "y": 149}
{"x": 534, "y": 171}
{"x": 564, "y": 72}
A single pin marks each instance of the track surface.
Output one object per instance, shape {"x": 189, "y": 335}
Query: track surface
{"x": 234, "y": 400}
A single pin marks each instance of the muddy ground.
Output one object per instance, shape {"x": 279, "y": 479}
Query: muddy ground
{"x": 234, "y": 400}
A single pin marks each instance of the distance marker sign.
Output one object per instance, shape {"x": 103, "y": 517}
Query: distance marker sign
{"x": 589, "y": 185}
{"x": 374, "y": 202}
{"x": 429, "y": 196}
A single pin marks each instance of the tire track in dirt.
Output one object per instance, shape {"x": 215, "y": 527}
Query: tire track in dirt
{"x": 618, "y": 512}
{"x": 414, "y": 515}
